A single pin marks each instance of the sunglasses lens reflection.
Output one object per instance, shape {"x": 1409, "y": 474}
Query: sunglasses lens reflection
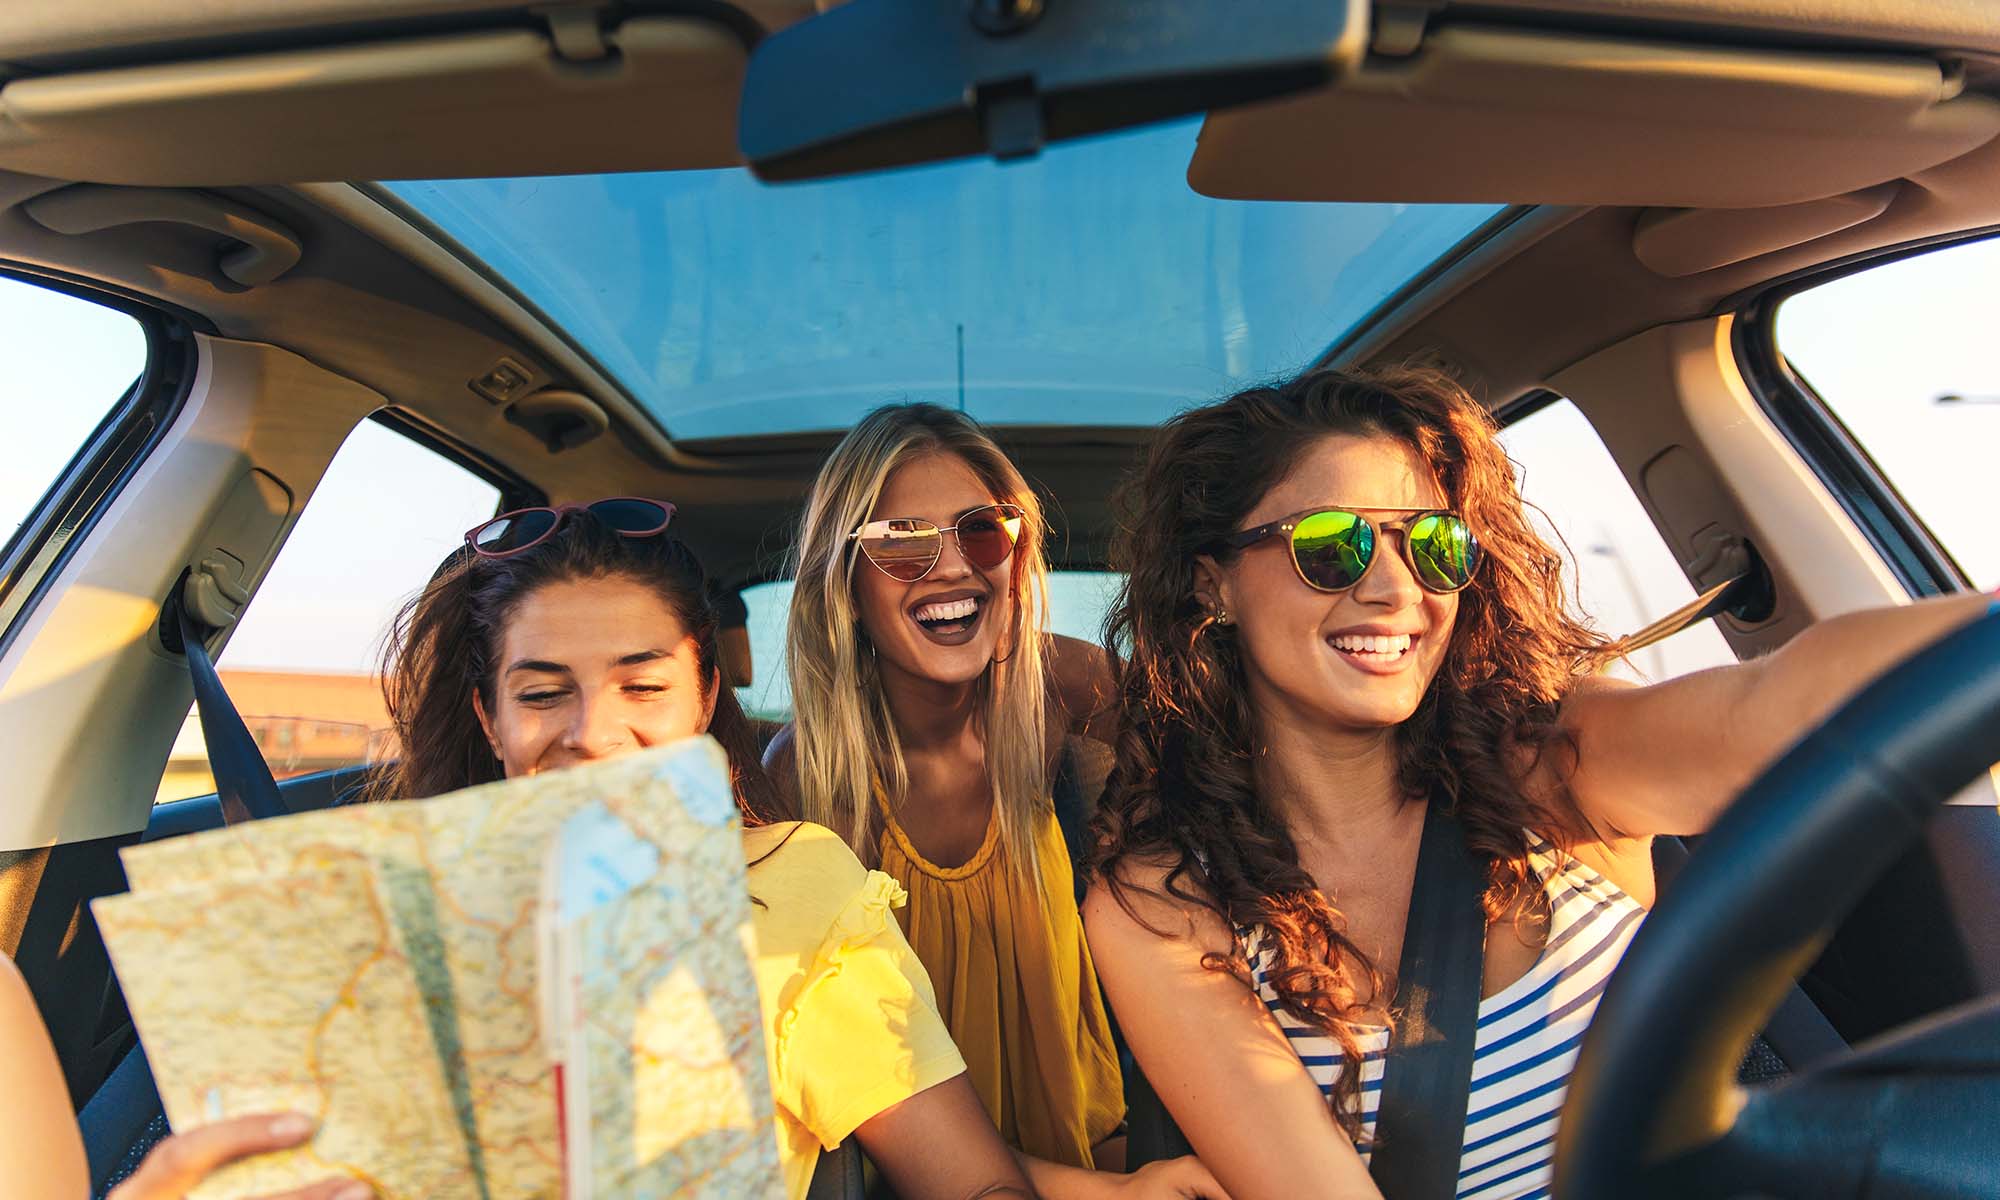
{"x": 1444, "y": 552}
{"x": 904, "y": 549}
{"x": 514, "y": 531}
{"x": 1333, "y": 548}
{"x": 988, "y": 536}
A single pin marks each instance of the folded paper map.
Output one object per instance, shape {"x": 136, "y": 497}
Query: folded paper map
{"x": 380, "y": 967}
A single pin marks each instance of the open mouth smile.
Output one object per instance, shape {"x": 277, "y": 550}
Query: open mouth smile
{"x": 1377, "y": 653}
{"x": 950, "y": 620}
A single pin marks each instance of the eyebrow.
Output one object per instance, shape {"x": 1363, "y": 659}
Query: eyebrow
{"x": 555, "y": 668}
{"x": 537, "y": 664}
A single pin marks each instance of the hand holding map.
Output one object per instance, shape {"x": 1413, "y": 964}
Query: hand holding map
{"x": 377, "y": 966}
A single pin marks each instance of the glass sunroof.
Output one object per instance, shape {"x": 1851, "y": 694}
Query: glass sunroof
{"x": 1089, "y": 286}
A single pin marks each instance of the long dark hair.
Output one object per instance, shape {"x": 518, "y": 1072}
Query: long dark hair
{"x": 1182, "y": 793}
{"x": 445, "y": 643}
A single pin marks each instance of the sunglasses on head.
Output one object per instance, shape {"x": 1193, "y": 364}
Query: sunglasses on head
{"x": 907, "y": 548}
{"x": 1332, "y": 547}
{"x": 512, "y": 532}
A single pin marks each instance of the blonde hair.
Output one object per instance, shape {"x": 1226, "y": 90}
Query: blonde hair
{"x": 844, "y": 736}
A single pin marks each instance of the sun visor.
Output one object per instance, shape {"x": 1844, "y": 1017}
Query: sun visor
{"x": 1488, "y": 115}
{"x": 652, "y": 93}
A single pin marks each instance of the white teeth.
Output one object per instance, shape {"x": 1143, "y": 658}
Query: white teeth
{"x": 955, "y": 610}
{"x": 1384, "y": 644}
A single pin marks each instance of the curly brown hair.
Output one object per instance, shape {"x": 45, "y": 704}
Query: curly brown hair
{"x": 1182, "y": 796}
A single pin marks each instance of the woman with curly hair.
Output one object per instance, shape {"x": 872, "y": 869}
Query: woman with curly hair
{"x": 1338, "y": 615}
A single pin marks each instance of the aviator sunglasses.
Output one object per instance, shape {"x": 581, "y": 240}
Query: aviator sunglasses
{"x": 512, "y": 532}
{"x": 1332, "y": 547}
{"x": 907, "y": 548}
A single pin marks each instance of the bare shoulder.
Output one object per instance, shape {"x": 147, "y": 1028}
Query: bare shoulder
{"x": 781, "y": 761}
{"x": 1142, "y": 902}
{"x": 1081, "y": 680}
{"x": 1593, "y": 691}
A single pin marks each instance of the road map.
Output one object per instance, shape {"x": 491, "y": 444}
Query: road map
{"x": 377, "y": 966}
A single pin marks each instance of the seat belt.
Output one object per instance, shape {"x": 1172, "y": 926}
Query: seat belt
{"x": 243, "y": 780}
{"x": 1420, "y": 1122}
{"x": 1427, "y": 1075}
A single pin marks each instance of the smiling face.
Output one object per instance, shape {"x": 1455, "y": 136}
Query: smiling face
{"x": 948, "y": 626}
{"x": 589, "y": 669}
{"x": 1358, "y": 660}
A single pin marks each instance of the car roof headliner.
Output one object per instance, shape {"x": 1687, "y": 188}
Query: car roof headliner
{"x": 373, "y": 301}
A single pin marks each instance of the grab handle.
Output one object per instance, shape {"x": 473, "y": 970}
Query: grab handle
{"x": 264, "y": 249}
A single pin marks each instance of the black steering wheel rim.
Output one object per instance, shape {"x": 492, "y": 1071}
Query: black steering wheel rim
{"x": 1653, "y": 1106}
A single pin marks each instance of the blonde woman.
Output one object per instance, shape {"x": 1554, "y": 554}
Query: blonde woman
{"x": 930, "y": 706}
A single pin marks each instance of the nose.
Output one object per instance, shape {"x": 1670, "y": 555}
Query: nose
{"x": 594, "y": 731}
{"x": 1388, "y": 582}
{"x": 951, "y": 563}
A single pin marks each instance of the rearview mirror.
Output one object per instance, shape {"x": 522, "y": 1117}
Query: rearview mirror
{"x": 886, "y": 83}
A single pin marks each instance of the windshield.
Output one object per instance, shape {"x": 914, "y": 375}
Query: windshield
{"x": 1089, "y": 286}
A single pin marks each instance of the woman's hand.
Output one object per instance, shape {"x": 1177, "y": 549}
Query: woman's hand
{"x": 1173, "y": 1179}
{"x": 180, "y": 1163}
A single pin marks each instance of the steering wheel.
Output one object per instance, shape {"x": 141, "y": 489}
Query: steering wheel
{"x": 1654, "y": 1108}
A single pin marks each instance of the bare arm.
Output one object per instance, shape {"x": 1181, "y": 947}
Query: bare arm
{"x": 1168, "y": 1179}
{"x": 1080, "y": 673}
{"x": 1215, "y": 1057}
{"x": 940, "y": 1145}
{"x": 1668, "y": 758}
{"x": 41, "y": 1153}
{"x": 781, "y": 764}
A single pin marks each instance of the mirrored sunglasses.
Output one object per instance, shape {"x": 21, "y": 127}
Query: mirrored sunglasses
{"x": 1333, "y": 547}
{"x": 908, "y": 548}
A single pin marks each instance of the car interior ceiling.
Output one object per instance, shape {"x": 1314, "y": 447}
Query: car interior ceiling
{"x": 1550, "y": 287}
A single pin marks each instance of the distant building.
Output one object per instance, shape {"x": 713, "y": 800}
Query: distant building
{"x": 302, "y": 722}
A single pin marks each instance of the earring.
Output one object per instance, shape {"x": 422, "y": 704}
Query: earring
{"x": 1219, "y": 615}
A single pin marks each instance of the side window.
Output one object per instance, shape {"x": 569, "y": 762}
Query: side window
{"x": 65, "y": 363}
{"x": 1904, "y": 356}
{"x": 302, "y": 664}
{"x": 1078, "y": 601}
{"x": 1624, "y": 576}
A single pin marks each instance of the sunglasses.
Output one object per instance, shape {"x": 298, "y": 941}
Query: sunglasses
{"x": 512, "y": 532}
{"x": 907, "y": 548}
{"x": 1332, "y": 547}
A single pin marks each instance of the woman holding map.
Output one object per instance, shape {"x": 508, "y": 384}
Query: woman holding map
{"x": 565, "y": 636}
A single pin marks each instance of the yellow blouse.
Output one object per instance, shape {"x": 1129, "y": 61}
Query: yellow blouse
{"x": 1017, "y": 989}
{"x": 851, "y": 1026}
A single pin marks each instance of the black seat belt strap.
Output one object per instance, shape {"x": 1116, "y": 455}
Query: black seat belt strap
{"x": 1427, "y": 1077}
{"x": 243, "y": 780}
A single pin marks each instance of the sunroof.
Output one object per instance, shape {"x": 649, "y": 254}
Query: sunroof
{"x": 1087, "y": 286}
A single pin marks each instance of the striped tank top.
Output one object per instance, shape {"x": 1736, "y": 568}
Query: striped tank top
{"x": 1529, "y": 1033}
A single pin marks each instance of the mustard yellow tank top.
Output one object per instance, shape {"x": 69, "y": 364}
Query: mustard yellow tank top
{"x": 1016, "y": 987}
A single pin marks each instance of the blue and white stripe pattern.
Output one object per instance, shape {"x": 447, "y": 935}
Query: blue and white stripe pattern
{"x": 1529, "y": 1033}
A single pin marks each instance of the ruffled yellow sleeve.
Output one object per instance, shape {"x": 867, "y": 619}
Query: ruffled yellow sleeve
{"x": 862, "y": 1032}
